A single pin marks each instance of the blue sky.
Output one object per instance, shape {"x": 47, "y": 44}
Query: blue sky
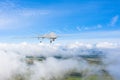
{"x": 90, "y": 18}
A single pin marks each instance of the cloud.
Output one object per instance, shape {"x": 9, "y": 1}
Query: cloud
{"x": 33, "y": 12}
{"x": 13, "y": 16}
{"x": 99, "y": 26}
{"x": 107, "y": 45}
{"x": 114, "y": 20}
{"x": 82, "y": 28}
{"x": 14, "y": 54}
{"x": 51, "y": 67}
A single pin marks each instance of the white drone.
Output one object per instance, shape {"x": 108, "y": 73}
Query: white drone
{"x": 51, "y": 36}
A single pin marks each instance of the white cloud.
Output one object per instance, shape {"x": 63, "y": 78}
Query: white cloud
{"x": 14, "y": 54}
{"x": 114, "y": 20}
{"x": 33, "y": 12}
{"x": 16, "y": 18}
{"x": 13, "y": 15}
{"x": 99, "y": 26}
{"x": 107, "y": 45}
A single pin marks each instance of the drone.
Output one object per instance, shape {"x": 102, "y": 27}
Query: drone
{"x": 51, "y": 36}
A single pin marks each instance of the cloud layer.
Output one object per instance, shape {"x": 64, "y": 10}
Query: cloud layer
{"x": 14, "y": 66}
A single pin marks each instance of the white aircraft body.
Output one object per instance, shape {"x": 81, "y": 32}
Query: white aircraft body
{"x": 51, "y": 36}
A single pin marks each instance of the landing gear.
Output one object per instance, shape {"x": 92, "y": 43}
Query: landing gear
{"x": 41, "y": 40}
